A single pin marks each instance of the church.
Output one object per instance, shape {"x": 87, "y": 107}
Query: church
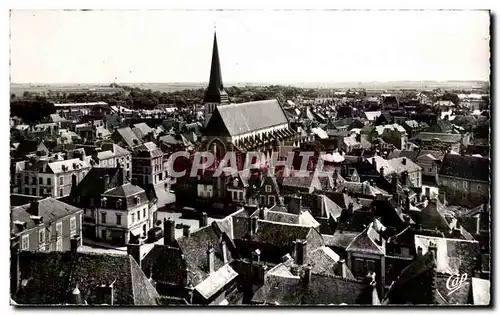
{"x": 260, "y": 126}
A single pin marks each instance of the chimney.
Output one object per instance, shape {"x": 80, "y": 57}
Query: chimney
{"x": 404, "y": 161}
{"x": 203, "y": 220}
{"x": 73, "y": 181}
{"x": 106, "y": 181}
{"x": 350, "y": 208}
{"x": 407, "y": 205}
{"x": 210, "y": 259}
{"x": 75, "y": 243}
{"x": 134, "y": 250}
{"x": 374, "y": 163}
{"x": 307, "y": 275}
{"x": 300, "y": 251}
{"x": 34, "y": 207}
{"x": 262, "y": 213}
{"x": 105, "y": 293}
{"x": 432, "y": 249}
{"x": 185, "y": 230}
{"x": 404, "y": 178}
{"x": 295, "y": 204}
{"x": 253, "y": 225}
{"x": 15, "y": 273}
{"x": 224, "y": 252}
{"x": 256, "y": 256}
{"x": 341, "y": 268}
{"x": 168, "y": 232}
{"x": 381, "y": 171}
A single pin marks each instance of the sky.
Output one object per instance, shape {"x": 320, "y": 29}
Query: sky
{"x": 254, "y": 46}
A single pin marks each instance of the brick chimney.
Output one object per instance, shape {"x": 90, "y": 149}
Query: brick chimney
{"x": 75, "y": 243}
{"x": 185, "y": 230}
{"x": 168, "y": 232}
{"x": 307, "y": 275}
{"x": 403, "y": 161}
{"x": 210, "y": 259}
{"x": 105, "y": 293}
{"x": 105, "y": 179}
{"x": 295, "y": 204}
{"x": 134, "y": 250}
{"x": 203, "y": 220}
{"x": 300, "y": 251}
{"x": 374, "y": 163}
{"x": 262, "y": 213}
{"x": 224, "y": 252}
{"x": 381, "y": 171}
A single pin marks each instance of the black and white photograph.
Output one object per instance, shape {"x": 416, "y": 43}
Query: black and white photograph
{"x": 250, "y": 158}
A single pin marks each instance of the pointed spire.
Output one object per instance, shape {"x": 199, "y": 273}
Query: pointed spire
{"x": 215, "y": 86}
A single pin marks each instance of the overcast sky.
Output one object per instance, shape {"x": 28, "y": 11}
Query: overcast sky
{"x": 254, "y": 46}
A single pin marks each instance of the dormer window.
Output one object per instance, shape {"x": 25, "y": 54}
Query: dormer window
{"x": 137, "y": 200}
{"x": 119, "y": 203}
{"x": 104, "y": 202}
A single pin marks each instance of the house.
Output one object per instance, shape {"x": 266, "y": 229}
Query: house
{"x": 198, "y": 265}
{"x": 51, "y": 177}
{"x": 45, "y": 225}
{"x": 425, "y": 280}
{"x": 269, "y": 192}
{"x": 115, "y": 210}
{"x": 126, "y": 138}
{"x": 385, "y": 118}
{"x": 465, "y": 179}
{"x": 75, "y": 278}
{"x": 148, "y": 165}
{"x": 296, "y": 183}
{"x": 110, "y": 155}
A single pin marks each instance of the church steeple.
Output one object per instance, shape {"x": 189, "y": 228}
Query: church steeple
{"x": 215, "y": 94}
{"x": 215, "y": 86}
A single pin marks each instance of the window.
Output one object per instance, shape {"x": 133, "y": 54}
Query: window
{"x": 41, "y": 236}
{"x": 144, "y": 212}
{"x": 139, "y": 215}
{"x": 137, "y": 200}
{"x": 427, "y": 191}
{"x": 59, "y": 230}
{"x": 104, "y": 202}
{"x": 33, "y": 181}
{"x": 268, "y": 188}
{"x": 430, "y": 169}
{"x": 26, "y": 191}
{"x": 92, "y": 213}
{"x": 40, "y": 180}
{"x": 103, "y": 217}
{"x": 26, "y": 179}
{"x": 59, "y": 245}
{"x": 49, "y": 181}
{"x": 358, "y": 266}
{"x": 240, "y": 195}
{"x": 61, "y": 180}
{"x": 25, "y": 242}
{"x": 465, "y": 185}
{"x": 370, "y": 265}
{"x": 478, "y": 187}
{"x": 133, "y": 217}
{"x": 271, "y": 200}
{"x": 103, "y": 234}
{"x": 262, "y": 200}
{"x": 33, "y": 191}
{"x": 119, "y": 203}
{"x": 60, "y": 192}
{"x": 72, "y": 225}
{"x": 118, "y": 219}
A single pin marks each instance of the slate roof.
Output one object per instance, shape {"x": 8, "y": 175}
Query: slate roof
{"x": 444, "y": 137}
{"x": 116, "y": 149}
{"x": 398, "y": 166}
{"x": 324, "y": 261}
{"x": 247, "y": 117}
{"x": 144, "y": 128}
{"x": 125, "y": 190}
{"x": 280, "y": 234}
{"x": 49, "y": 209}
{"x": 304, "y": 218}
{"x": 54, "y": 275}
{"x": 433, "y": 216}
{"x": 128, "y": 136}
{"x": 150, "y": 149}
{"x": 467, "y": 167}
{"x": 367, "y": 242}
{"x": 194, "y": 248}
{"x": 216, "y": 281}
{"x": 339, "y": 239}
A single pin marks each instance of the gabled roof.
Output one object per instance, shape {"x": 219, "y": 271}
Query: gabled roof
{"x": 49, "y": 209}
{"x": 244, "y": 118}
{"x": 54, "y": 275}
{"x": 216, "y": 281}
{"x": 304, "y": 218}
{"x": 280, "y": 234}
{"x": 144, "y": 128}
{"x": 366, "y": 243}
{"x": 128, "y": 136}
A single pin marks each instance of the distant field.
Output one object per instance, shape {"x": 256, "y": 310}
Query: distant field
{"x": 172, "y": 87}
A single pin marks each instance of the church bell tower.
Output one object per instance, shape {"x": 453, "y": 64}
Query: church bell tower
{"x": 215, "y": 94}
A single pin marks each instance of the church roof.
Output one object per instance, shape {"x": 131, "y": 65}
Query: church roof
{"x": 243, "y": 118}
